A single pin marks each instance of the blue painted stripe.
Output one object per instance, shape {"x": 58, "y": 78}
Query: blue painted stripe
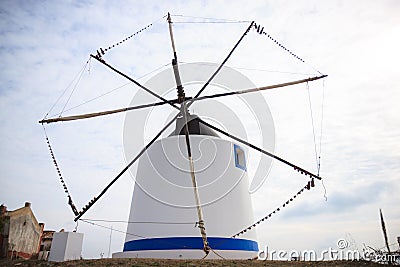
{"x": 169, "y": 243}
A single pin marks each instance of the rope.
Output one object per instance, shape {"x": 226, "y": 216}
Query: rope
{"x": 103, "y": 51}
{"x": 260, "y": 30}
{"x": 307, "y": 186}
{"x": 109, "y": 92}
{"x": 70, "y": 202}
{"x": 208, "y": 18}
{"x": 325, "y": 196}
{"x": 313, "y": 128}
{"x": 322, "y": 119}
{"x": 208, "y": 22}
{"x": 109, "y": 228}
{"x": 216, "y": 253}
{"x": 66, "y": 88}
{"x": 200, "y": 223}
{"x": 144, "y": 222}
{"x": 318, "y": 155}
{"x": 320, "y": 137}
{"x": 75, "y": 86}
{"x": 251, "y": 69}
{"x": 135, "y": 235}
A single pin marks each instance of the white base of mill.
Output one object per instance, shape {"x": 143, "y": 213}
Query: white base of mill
{"x": 186, "y": 254}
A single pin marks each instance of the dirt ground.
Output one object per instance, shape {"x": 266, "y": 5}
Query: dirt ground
{"x": 183, "y": 263}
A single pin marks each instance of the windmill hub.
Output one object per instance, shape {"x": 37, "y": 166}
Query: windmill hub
{"x": 194, "y": 126}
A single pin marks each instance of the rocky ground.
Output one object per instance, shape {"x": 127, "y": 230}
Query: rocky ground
{"x": 183, "y": 263}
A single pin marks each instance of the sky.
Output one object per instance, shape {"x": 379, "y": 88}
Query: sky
{"x": 45, "y": 45}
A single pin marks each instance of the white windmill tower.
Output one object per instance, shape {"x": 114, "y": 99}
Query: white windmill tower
{"x": 171, "y": 202}
{"x": 191, "y": 191}
{"x": 190, "y": 181}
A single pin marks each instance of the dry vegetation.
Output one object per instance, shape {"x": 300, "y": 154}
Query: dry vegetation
{"x": 183, "y": 263}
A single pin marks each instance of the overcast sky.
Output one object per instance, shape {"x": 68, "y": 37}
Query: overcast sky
{"x": 44, "y": 45}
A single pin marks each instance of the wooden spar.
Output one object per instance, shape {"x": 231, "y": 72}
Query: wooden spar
{"x": 269, "y": 87}
{"x": 223, "y": 62}
{"x": 179, "y": 87}
{"x": 91, "y": 203}
{"x": 96, "y": 114}
{"x": 297, "y": 168}
{"x": 132, "y": 80}
{"x": 103, "y": 113}
{"x": 171, "y": 35}
{"x": 184, "y": 113}
{"x": 83, "y": 116}
{"x": 282, "y": 84}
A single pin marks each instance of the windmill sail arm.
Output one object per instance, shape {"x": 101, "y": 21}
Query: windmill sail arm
{"x": 281, "y": 84}
{"x": 83, "y": 116}
{"x": 184, "y": 112}
{"x": 223, "y": 63}
{"x": 91, "y": 115}
{"x": 297, "y": 168}
{"x": 99, "y": 59}
{"x": 94, "y": 200}
{"x": 103, "y": 113}
{"x": 172, "y": 102}
{"x": 251, "y": 90}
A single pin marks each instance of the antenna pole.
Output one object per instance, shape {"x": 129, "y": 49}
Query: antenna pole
{"x": 179, "y": 87}
{"x": 384, "y": 231}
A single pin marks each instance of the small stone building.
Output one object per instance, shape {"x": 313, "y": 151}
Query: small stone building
{"x": 20, "y": 232}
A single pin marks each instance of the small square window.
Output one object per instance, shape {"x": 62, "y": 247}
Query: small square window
{"x": 240, "y": 158}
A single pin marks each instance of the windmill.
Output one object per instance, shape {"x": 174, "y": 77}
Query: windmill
{"x": 184, "y": 192}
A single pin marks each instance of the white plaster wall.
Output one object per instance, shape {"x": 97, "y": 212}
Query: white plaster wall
{"x": 66, "y": 246}
{"x": 163, "y": 193}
